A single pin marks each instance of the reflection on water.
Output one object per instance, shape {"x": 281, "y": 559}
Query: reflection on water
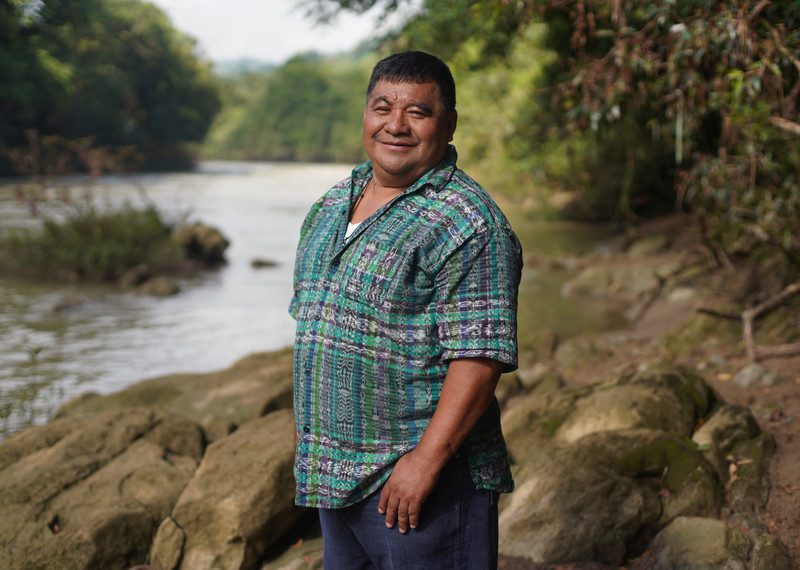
{"x": 106, "y": 339}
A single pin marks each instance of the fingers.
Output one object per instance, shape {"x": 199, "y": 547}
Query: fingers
{"x": 391, "y": 513}
{"x": 403, "y": 513}
{"x": 384, "y": 500}
{"x": 413, "y": 517}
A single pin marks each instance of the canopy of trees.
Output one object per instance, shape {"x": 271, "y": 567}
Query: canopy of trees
{"x": 656, "y": 104}
{"x": 116, "y": 71}
{"x": 308, "y": 109}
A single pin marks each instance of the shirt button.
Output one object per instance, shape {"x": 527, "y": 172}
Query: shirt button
{"x": 308, "y": 370}
{"x": 306, "y": 429}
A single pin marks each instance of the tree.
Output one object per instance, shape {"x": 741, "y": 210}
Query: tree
{"x": 113, "y": 70}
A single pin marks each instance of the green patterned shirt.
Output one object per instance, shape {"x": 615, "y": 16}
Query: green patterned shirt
{"x": 430, "y": 277}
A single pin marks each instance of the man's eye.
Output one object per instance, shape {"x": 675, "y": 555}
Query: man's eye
{"x": 381, "y": 110}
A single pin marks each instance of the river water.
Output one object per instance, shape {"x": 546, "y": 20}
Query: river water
{"x": 107, "y": 339}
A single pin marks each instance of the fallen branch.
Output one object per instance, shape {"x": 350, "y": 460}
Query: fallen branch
{"x": 754, "y": 352}
{"x": 721, "y": 314}
{"x": 748, "y": 317}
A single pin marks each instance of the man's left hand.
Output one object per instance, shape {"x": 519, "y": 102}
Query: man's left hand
{"x": 409, "y": 485}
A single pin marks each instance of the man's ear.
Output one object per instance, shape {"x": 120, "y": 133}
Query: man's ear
{"x": 453, "y": 123}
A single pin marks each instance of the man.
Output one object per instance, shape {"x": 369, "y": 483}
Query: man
{"x": 405, "y": 296}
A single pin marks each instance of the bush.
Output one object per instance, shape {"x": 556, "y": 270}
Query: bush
{"x": 91, "y": 245}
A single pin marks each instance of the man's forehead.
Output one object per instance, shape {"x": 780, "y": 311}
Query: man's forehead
{"x": 398, "y": 90}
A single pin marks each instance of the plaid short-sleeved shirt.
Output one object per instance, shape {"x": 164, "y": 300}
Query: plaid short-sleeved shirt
{"x": 430, "y": 277}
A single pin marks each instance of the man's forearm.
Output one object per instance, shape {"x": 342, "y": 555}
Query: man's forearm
{"x": 467, "y": 392}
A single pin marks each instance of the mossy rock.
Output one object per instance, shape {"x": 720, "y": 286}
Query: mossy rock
{"x": 695, "y": 543}
{"x": 749, "y": 490}
{"x": 670, "y": 465}
{"x": 700, "y": 335}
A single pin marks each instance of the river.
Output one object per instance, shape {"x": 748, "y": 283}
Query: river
{"x": 107, "y": 339}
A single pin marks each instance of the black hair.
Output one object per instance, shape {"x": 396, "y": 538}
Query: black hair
{"x": 416, "y": 67}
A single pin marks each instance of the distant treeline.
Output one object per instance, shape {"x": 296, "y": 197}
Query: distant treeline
{"x": 308, "y": 109}
{"x": 115, "y": 71}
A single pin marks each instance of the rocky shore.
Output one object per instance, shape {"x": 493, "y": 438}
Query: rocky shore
{"x": 644, "y": 447}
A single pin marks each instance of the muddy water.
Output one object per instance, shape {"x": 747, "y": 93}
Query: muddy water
{"x": 106, "y": 339}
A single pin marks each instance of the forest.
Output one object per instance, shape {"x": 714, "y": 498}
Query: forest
{"x": 99, "y": 74}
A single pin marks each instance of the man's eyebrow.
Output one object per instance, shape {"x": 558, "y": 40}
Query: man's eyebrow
{"x": 425, "y": 108}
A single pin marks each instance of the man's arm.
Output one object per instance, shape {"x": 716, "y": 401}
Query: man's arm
{"x": 466, "y": 394}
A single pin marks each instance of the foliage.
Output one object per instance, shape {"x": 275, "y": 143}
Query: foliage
{"x": 659, "y": 103}
{"x": 716, "y": 83}
{"x": 90, "y": 244}
{"x": 308, "y": 109}
{"x": 113, "y": 70}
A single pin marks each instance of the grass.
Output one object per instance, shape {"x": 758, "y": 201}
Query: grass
{"x": 90, "y": 244}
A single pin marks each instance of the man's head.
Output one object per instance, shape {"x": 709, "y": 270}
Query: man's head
{"x": 416, "y": 67}
{"x": 409, "y": 117}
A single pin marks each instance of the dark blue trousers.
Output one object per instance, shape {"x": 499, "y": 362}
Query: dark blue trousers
{"x": 457, "y": 529}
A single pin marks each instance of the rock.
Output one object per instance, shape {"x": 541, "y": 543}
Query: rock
{"x": 625, "y": 281}
{"x": 69, "y": 301}
{"x": 749, "y": 484}
{"x": 699, "y": 335}
{"x": 589, "y": 500}
{"x": 89, "y": 491}
{"x": 726, "y": 426}
{"x": 219, "y": 401}
{"x": 158, "y": 287}
{"x": 721, "y": 431}
{"x": 578, "y": 351}
{"x": 202, "y": 242}
{"x": 614, "y": 245}
{"x": 540, "y": 377}
{"x": 615, "y": 407}
{"x": 260, "y": 263}
{"x": 135, "y": 276}
{"x": 560, "y": 514}
{"x": 649, "y": 245}
{"x": 597, "y": 467}
{"x": 508, "y": 386}
{"x": 239, "y": 502}
{"x": 682, "y": 295}
{"x": 694, "y": 543}
{"x": 769, "y": 555}
{"x": 306, "y": 555}
{"x": 750, "y": 375}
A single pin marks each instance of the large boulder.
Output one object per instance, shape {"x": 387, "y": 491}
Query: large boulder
{"x": 695, "y": 543}
{"x": 590, "y": 499}
{"x": 599, "y": 467}
{"x": 623, "y": 280}
{"x": 90, "y": 491}
{"x": 220, "y": 401}
{"x": 239, "y": 503}
{"x": 202, "y": 242}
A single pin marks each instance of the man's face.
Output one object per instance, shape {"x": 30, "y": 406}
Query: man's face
{"x": 406, "y": 131}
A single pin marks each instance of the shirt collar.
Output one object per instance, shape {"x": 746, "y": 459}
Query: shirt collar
{"x": 436, "y": 177}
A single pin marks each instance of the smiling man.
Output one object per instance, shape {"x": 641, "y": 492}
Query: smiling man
{"x": 405, "y": 296}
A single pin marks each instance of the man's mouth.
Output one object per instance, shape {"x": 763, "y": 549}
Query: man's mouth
{"x": 397, "y": 144}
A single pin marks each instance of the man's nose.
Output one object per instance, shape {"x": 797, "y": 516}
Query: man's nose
{"x": 396, "y": 123}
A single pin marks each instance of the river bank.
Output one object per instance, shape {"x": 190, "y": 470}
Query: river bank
{"x": 629, "y": 399}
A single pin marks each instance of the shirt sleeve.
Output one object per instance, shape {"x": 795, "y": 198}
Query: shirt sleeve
{"x": 476, "y": 298}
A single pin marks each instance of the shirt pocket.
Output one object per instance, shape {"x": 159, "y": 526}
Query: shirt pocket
{"x": 373, "y": 273}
